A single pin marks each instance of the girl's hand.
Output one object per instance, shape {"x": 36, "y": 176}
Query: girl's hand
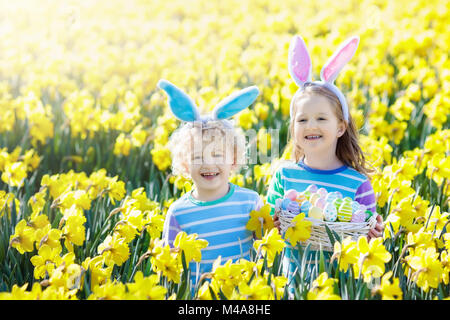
{"x": 276, "y": 222}
{"x": 378, "y": 230}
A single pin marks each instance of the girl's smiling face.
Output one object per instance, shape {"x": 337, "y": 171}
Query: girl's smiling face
{"x": 316, "y": 126}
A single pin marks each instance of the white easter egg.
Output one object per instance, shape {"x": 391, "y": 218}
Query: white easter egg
{"x": 330, "y": 212}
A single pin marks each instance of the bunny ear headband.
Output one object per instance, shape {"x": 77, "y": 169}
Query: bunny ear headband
{"x": 300, "y": 67}
{"x": 184, "y": 108}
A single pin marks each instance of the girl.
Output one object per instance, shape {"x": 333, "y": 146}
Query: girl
{"x": 207, "y": 149}
{"x": 325, "y": 143}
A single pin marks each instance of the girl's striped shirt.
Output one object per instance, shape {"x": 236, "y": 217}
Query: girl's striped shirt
{"x": 221, "y": 222}
{"x": 344, "y": 179}
{"x": 299, "y": 176}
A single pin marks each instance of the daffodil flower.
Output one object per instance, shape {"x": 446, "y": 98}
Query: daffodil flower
{"x": 260, "y": 221}
{"x": 300, "y": 231}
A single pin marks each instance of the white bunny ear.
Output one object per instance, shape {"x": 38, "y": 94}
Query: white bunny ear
{"x": 339, "y": 59}
{"x": 299, "y": 63}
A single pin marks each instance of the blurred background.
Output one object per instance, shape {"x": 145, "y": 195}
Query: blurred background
{"x": 78, "y": 92}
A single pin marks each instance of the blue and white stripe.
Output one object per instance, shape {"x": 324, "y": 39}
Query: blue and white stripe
{"x": 221, "y": 222}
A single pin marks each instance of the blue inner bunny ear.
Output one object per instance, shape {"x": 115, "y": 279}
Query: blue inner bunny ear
{"x": 236, "y": 102}
{"x": 182, "y": 106}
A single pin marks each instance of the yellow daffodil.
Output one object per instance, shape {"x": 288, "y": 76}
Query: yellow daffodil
{"x": 346, "y": 252}
{"x": 300, "y": 231}
{"x": 389, "y": 290}
{"x": 167, "y": 264}
{"x": 14, "y": 174}
{"x": 114, "y": 249}
{"x": 258, "y": 289}
{"x": 46, "y": 260}
{"x": 145, "y": 288}
{"x": 372, "y": 258}
{"x": 270, "y": 245}
{"x": 260, "y": 221}
{"x": 161, "y": 157}
{"x": 425, "y": 269}
{"x": 190, "y": 246}
{"x": 23, "y": 237}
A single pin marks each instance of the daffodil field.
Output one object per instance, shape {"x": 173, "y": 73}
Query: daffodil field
{"x": 85, "y": 168}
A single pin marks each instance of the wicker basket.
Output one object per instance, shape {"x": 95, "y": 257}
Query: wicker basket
{"x": 319, "y": 237}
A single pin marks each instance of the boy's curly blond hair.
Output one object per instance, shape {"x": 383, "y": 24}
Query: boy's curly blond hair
{"x": 181, "y": 143}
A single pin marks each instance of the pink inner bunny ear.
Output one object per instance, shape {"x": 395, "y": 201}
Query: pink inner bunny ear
{"x": 339, "y": 59}
{"x": 299, "y": 61}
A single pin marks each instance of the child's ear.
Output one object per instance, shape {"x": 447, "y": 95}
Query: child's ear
{"x": 185, "y": 166}
{"x": 342, "y": 127}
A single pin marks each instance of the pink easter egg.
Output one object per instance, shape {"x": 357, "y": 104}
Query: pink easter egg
{"x": 291, "y": 194}
{"x": 320, "y": 203}
{"x": 359, "y": 216}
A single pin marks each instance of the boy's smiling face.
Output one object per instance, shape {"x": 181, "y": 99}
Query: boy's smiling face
{"x": 210, "y": 164}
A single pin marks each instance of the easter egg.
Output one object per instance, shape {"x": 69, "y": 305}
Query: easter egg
{"x": 355, "y": 206}
{"x": 331, "y": 196}
{"x": 348, "y": 199}
{"x": 338, "y": 194}
{"x": 320, "y": 203}
{"x": 285, "y": 203}
{"x": 300, "y": 198}
{"x": 330, "y": 212}
{"x": 306, "y": 205}
{"x": 316, "y": 213}
{"x": 312, "y": 188}
{"x": 307, "y": 194}
{"x": 291, "y": 194}
{"x": 314, "y": 198}
{"x": 337, "y": 203}
{"x": 293, "y": 207}
{"x": 345, "y": 212}
{"x": 278, "y": 203}
{"x": 362, "y": 207}
{"x": 322, "y": 192}
{"x": 358, "y": 216}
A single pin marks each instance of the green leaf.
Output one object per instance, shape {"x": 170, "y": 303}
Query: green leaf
{"x": 330, "y": 235}
{"x": 321, "y": 262}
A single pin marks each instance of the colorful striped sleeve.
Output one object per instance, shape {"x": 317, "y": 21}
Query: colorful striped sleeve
{"x": 366, "y": 196}
{"x": 275, "y": 191}
{"x": 171, "y": 228}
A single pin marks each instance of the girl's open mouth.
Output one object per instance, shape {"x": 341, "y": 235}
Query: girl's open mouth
{"x": 313, "y": 137}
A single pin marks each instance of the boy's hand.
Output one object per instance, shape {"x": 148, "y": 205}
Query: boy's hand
{"x": 378, "y": 230}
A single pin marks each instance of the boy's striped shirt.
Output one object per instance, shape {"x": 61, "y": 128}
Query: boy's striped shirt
{"x": 221, "y": 222}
